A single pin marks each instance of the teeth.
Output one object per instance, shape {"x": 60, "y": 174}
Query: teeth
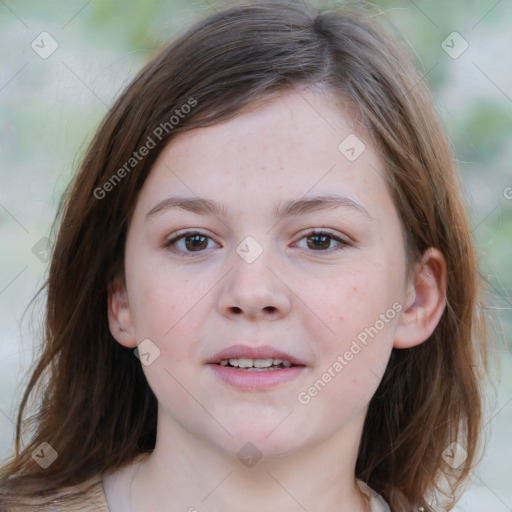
{"x": 255, "y": 363}
{"x": 263, "y": 363}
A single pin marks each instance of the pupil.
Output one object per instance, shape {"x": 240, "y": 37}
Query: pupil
{"x": 195, "y": 238}
{"x": 322, "y": 243}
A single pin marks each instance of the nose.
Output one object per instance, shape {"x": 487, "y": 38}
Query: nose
{"x": 255, "y": 290}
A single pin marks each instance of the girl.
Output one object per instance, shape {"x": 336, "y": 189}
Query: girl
{"x": 263, "y": 291}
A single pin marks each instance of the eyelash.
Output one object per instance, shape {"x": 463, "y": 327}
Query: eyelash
{"x": 169, "y": 244}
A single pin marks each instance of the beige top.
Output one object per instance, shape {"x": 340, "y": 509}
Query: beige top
{"x": 95, "y": 500}
{"x": 377, "y": 502}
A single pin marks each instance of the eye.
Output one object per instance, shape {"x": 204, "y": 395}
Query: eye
{"x": 320, "y": 241}
{"x": 195, "y": 241}
{"x": 189, "y": 242}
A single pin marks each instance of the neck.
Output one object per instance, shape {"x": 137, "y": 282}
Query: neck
{"x": 188, "y": 473}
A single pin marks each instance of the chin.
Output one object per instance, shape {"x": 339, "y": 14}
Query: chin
{"x": 263, "y": 437}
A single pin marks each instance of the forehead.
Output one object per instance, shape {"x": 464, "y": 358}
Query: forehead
{"x": 297, "y": 143}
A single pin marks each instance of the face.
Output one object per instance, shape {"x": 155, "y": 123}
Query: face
{"x": 272, "y": 274}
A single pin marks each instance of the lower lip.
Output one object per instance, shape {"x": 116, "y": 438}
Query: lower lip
{"x": 247, "y": 380}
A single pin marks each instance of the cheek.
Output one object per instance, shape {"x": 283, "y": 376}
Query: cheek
{"x": 170, "y": 309}
{"x": 154, "y": 309}
{"x": 353, "y": 352}
{"x": 344, "y": 302}
{"x": 340, "y": 394}
{"x": 162, "y": 300}
{"x": 350, "y": 366}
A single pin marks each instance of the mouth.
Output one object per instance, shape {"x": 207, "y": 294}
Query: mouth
{"x": 255, "y": 369}
{"x": 257, "y": 365}
{"x": 247, "y": 357}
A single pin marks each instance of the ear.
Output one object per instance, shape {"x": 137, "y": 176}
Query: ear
{"x": 425, "y": 301}
{"x": 119, "y": 314}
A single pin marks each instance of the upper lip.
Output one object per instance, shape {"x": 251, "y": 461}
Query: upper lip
{"x": 247, "y": 352}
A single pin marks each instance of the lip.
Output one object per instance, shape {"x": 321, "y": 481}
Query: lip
{"x": 247, "y": 380}
{"x": 262, "y": 352}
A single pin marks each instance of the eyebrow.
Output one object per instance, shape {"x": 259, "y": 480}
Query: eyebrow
{"x": 302, "y": 206}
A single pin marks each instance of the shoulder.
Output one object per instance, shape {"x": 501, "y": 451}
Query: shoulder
{"x": 88, "y": 496}
{"x": 379, "y": 504}
{"x": 376, "y": 501}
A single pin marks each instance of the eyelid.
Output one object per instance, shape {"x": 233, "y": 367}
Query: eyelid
{"x": 343, "y": 240}
{"x": 326, "y": 231}
{"x": 179, "y": 235}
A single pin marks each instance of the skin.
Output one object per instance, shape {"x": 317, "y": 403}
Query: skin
{"x": 310, "y": 302}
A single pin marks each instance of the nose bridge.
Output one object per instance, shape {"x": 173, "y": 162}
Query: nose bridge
{"x": 251, "y": 267}
{"x": 254, "y": 288}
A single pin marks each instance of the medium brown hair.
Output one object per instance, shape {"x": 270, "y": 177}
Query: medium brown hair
{"x": 97, "y": 409}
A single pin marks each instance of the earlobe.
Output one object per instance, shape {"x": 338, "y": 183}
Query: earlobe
{"x": 119, "y": 314}
{"x": 425, "y": 302}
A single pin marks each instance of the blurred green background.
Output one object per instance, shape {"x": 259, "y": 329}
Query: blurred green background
{"x": 50, "y": 108}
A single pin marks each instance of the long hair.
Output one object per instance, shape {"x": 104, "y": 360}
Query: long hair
{"x": 96, "y": 409}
